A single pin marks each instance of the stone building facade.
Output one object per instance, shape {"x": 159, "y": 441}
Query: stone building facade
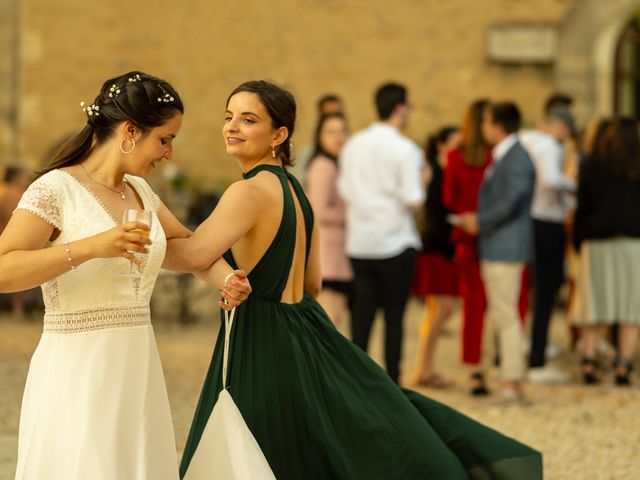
{"x": 55, "y": 54}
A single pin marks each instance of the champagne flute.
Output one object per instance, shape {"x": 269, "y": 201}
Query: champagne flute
{"x": 142, "y": 216}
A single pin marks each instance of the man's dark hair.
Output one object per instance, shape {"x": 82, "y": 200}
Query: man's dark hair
{"x": 557, "y": 100}
{"x": 330, "y": 97}
{"x": 507, "y": 115}
{"x": 12, "y": 172}
{"x": 388, "y": 97}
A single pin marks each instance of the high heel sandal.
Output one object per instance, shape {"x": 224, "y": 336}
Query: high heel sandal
{"x": 589, "y": 375}
{"x": 627, "y": 365}
{"x": 479, "y": 389}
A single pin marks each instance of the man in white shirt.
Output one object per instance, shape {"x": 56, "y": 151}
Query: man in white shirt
{"x": 552, "y": 202}
{"x": 382, "y": 180}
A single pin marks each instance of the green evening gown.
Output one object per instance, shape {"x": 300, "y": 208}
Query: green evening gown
{"x": 320, "y": 408}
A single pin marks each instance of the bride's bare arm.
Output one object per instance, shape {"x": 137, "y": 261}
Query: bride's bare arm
{"x": 26, "y": 263}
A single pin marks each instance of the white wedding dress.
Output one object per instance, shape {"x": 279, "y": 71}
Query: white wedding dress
{"x": 95, "y": 405}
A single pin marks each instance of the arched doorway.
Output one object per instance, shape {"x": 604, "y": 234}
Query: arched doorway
{"x": 626, "y": 81}
{"x": 586, "y": 63}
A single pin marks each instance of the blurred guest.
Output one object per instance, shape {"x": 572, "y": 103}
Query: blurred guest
{"x": 592, "y": 136}
{"x": 504, "y": 224}
{"x": 436, "y": 278}
{"x": 16, "y": 180}
{"x": 326, "y": 104}
{"x": 329, "y": 212}
{"x": 330, "y": 103}
{"x": 557, "y": 99}
{"x": 382, "y": 176}
{"x": 607, "y": 235}
{"x": 550, "y": 208}
{"x": 460, "y": 186}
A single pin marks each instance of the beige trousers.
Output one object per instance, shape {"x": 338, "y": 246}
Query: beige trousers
{"x": 502, "y": 283}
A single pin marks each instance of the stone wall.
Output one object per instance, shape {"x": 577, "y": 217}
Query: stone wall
{"x": 68, "y": 47}
{"x": 8, "y": 79}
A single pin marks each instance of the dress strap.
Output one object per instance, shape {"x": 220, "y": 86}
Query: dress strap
{"x": 228, "y": 323}
{"x": 307, "y": 212}
{"x": 280, "y": 171}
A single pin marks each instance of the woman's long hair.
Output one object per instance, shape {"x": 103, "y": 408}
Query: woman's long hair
{"x": 435, "y": 139}
{"x": 472, "y": 145}
{"x": 621, "y": 148}
{"x": 318, "y": 149}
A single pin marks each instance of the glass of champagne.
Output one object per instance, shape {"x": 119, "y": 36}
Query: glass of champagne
{"x": 141, "y": 216}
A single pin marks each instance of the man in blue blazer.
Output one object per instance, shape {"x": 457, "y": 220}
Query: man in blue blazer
{"x": 505, "y": 236}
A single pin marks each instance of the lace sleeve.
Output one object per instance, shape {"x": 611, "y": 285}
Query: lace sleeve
{"x": 42, "y": 199}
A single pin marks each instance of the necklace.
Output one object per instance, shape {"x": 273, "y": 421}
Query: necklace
{"x": 124, "y": 184}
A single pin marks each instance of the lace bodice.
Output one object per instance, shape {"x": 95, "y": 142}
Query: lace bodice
{"x": 66, "y": 203}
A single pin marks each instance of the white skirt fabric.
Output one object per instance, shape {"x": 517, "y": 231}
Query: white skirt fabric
{"x": 227, "y": 449}
{"x": 608, "y": 285}
{"x": 95, "y": 407}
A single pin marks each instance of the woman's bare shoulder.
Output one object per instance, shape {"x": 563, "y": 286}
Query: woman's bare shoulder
{"x": 255, "y": 191}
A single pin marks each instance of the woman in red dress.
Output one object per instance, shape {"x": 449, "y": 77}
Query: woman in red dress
{"x": 461, "y": 182}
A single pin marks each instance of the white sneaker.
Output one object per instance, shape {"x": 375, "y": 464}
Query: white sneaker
{"x": 548, "y": 374}
{"x": 553, "y": 350}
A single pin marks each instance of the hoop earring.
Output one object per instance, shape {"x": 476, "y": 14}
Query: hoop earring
{"x": 273, "y": 152}
{"x": 133, "y": 145}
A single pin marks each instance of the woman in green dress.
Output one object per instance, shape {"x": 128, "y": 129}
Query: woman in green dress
{"x": 317, "y": 405}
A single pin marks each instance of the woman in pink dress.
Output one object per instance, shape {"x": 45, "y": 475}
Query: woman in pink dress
{"x": 328, "y": 207}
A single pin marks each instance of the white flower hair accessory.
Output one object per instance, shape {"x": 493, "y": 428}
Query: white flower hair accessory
{"x": 91, "y": 109}
{"x": 114, "y": 90}
{"x": 166, "y": 98}
{"x": 135, "y": 78}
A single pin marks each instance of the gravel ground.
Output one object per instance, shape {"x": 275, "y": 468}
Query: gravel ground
{"x": 584, "y": 433}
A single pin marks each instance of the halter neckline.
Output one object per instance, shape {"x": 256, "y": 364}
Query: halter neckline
{"x": 278, "y": 170}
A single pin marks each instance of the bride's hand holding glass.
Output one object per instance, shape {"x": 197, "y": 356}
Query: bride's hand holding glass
{"x": 143, "y": 217}
{"x": 121, "y": 241}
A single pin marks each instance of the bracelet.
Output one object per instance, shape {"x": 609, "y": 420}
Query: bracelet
{"x": 69, "y": 259}
{"x": 226, "y": 279}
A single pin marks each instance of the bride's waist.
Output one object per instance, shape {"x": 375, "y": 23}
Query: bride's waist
{"x": 101, "y": 318}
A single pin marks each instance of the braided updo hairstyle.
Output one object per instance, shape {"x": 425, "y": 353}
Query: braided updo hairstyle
{"x": 143, "y": 99}
{"x": 281, "y": 106}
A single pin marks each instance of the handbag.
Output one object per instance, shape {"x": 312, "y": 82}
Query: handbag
{"x": 227, "y": 448}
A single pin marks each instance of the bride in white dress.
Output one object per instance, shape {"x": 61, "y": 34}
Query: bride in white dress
{"x": 95, "y": 403}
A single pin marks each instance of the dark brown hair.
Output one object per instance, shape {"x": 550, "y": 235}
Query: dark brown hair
{"x": 318, "y": 149}
{"x": 147, "y": 102}
{"x": 435, "y": 140}
{"x": 594, "y": 146}
{"x": 507, "y": 115}
{"x": 281, "y": 106}
{"x": 472, "y": 145}
{"x": 621, "y": 148}
{"x": 388, "y": 97}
